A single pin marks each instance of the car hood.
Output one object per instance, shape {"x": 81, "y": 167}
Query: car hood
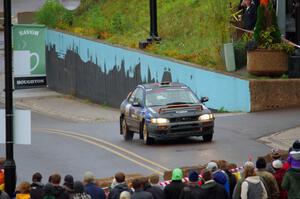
{"x": 177, "y": 110}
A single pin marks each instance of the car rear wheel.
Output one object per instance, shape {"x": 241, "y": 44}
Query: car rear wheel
{"x": 147, "y": 140}
{"x": 208, "y": 137}
{"x": 127, "y": 134}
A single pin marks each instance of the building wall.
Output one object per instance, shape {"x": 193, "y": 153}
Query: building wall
{"x": 105, "y": 73}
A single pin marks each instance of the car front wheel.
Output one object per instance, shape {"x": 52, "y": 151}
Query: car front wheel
{"x": 127, "y": 134}
{"x": 147, "y": 140}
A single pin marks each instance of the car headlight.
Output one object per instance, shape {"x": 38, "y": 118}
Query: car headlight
{"x": 159, "y": 121}
{"x": 206, "y": 117}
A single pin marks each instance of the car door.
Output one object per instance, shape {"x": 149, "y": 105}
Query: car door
{"x": 129, "y": 109}
{"x": 137, "y": 108}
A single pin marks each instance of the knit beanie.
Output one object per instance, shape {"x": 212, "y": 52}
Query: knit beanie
{"x": 193, "y": 176}
{"x": 212, "y": 166}
{"x": 177, "y": 174}
{"x": 261, "y": 163}
{"x": 277, "y": 164}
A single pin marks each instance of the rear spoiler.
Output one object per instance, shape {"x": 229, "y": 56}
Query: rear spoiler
{"x": 180, "y": 106}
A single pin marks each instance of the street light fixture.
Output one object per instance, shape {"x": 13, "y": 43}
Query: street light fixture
{"x": 70, "y": 4}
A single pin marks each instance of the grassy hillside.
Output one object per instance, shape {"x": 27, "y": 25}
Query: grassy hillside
{"x": 191, "y": 30}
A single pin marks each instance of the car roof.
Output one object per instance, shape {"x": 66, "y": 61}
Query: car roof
{"x": 163, "y": 85}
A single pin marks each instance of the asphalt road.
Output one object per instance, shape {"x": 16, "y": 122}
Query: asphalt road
{"x": 56, "y": 147}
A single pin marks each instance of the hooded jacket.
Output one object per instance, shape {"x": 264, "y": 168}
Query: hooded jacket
{"x": 37, "y": 190}
{"x": 117, "y": 190}
{"x": 270, "y": 183}
{"x": 94, "y": 191}
{"x": 278, "y": 174}
{"x": 173, "y": 190}
{"x": 291, "y": 183}
{"x": 212, "y": 190}
{"x": 253, "y": 188}
{"x": 294, "y": 159}
{"x": 60, "y": 193}
{"x": 221, "y": 177}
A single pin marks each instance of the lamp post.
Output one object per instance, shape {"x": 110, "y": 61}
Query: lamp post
{"x": 9, "y": 164}
{"x": 297, "y": 21}
{"x": 153, "y": 21}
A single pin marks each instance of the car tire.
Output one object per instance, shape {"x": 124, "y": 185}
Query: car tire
{"x": 127, "y": 134}
{"x": 208, "y": 137}
{"x": 147, "y": 140}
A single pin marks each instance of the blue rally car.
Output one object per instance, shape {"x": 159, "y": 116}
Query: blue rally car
{"x": 165, "y": 110}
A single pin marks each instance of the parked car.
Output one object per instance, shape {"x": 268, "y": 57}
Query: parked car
{"x": 165, "y": 110}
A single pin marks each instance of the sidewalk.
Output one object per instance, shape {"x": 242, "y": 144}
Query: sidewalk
{"x": 51, "y": 103}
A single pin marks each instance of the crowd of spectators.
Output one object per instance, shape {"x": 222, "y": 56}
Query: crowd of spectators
{"x": 278, "y": 179}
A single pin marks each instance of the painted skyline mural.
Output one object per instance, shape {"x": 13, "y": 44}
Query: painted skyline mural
{"x": 106, "y": 73}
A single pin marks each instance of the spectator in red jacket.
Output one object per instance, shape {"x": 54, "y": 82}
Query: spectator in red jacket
{"x": 278, "y": 174}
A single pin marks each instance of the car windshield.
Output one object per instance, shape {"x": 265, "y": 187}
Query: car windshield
{"x": 163, "y": 97}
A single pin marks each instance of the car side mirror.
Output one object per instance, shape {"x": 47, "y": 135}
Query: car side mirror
{"x": 204, "y": 99}
{"x": 136, "y": 104}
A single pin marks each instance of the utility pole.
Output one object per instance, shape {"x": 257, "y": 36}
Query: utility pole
{"x": 9, "y": 164}
{"x": 153, "y": 19}
{"x": 297, "y": 19}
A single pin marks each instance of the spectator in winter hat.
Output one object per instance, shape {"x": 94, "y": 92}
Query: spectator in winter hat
{"x": 69, "y": 185}
{"x": 37, "y": 190}
{"x": 224, "y": 166}
{"x": 275, "y": 155}
{"x": 219, "y": 176}
{"x": 278, "y": 174}
{"x": 268, "y": 179}
{"x": 294, "y": 155}
{"x": 291, "y": 179}
{"x": 192, "y": 189}
{"x": 173, "y": 190}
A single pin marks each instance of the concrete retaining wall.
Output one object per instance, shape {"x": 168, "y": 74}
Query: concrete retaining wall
{"x": 105, "y": 73}
{"x": 274, "y": 94}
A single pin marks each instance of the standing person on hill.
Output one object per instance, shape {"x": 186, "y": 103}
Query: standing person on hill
{"x": 252, "y": 186}
{"x": 267, "y": 178}
{"x": 210, "y": 189}
{"x": 119, "y": 186}
{"x": 79, "y": 191}
{"x": 91, "y": 188}
{"x": 139, "y": 192}
{"x": 191, "y": 191}
{"x": 156, "y": 191}
{"x": 173, "y": 190}
{"x": 249, "y": 16}
{"x": 278, "y": 174}
{"x": 291, "y": 179}
{"x": 59, "y": 191}
{"x": 69, "y": 185}
{"x": 37, "y": 188}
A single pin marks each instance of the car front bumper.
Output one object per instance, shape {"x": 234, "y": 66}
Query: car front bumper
{"x": 179, "y": 130}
